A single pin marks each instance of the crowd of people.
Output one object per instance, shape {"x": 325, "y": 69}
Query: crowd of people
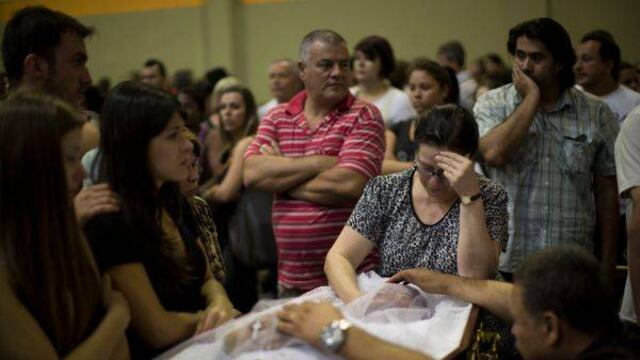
{"x": 135, "y": 217}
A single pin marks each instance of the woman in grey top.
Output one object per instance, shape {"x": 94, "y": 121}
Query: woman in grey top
{"x": 440, "y": 214}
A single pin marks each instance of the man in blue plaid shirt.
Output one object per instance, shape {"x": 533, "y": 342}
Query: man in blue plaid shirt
{"x": 551, "y": 147}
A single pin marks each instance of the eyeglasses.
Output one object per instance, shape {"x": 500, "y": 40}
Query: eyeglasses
{"x": 430, "y": 171}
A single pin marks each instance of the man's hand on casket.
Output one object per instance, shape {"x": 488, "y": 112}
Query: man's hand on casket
{"x": 428, "y": 281}
{"x": 307, "y": 320}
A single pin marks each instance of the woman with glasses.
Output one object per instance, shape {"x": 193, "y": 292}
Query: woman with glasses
{"x": 438, "y": 215}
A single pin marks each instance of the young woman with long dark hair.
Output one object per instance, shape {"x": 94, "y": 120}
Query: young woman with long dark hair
{"x": 52, "y": 303}
{"x": 150, "y": 248}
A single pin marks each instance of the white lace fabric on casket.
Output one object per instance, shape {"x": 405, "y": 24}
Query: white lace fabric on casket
{"x": 401, "y": 314}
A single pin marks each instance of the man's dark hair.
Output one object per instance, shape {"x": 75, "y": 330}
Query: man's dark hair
{"x": 376, "y": 47}
{"x": 36, "y": 30}
{"x": 213, "y": 76}
{"x": 156, "y": 62}
{"x": 453, "y": 51}
{"x": 448, "y": 126}
{"x": 555, "y": 38}
{"x": 495, "y": 58}
{"x": 609, "y": 49}
{"x": 569, "y": 282}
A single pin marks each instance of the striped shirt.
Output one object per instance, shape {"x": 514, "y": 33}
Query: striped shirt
{"x": 549, "y": 177}
{"x": 305, "y": 231}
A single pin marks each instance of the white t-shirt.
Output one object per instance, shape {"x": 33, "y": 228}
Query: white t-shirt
{"x": 264, "y": 109}
{"x": 621, "y": 101}
{"x": 627, "y": 156}
{"x": 467, "y": 93}
{"x": 394, "y": 105}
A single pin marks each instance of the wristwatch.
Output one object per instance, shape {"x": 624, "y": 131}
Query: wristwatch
{"x": 334, "y": 334}
{"x": 466, "y": 200}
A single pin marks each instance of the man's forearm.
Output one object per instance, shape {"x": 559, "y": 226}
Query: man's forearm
{"x": 633, "y": 247}
{"x": 361, "y": 345}
{"x": 332, "y": 186}
{"x": 608, "y": 218}
{"x": 279, "y": 174}
{"x": 489, "y": 294}
{"x": 502, "y": 141}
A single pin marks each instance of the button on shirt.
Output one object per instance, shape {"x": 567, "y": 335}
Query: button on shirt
{"x": 549, "y": 177}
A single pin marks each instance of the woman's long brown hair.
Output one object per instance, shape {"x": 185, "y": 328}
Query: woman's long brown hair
{"x": 251, "y": 118}
{"x": 49, "y": 263}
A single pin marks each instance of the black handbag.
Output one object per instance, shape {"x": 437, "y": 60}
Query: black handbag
{"x": 251, "y": 233}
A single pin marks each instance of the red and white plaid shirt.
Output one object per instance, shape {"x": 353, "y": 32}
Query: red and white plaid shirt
{"x": 305, "y": 231}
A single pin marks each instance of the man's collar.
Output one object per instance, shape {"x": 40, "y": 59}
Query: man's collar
{"x": 565, "y": 100}
{"x": 296, "y": 105}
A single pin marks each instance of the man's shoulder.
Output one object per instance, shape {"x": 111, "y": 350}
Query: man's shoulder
{"x": 266, "y": 107}
{"x": 361, "y": 111}
{"x": 621, "y": 344}
{"x": 502, "y": 95}
{"x": 632, "y": 122}
{"x": 278, "y": 113}
{"x": 629, "y": 95}
{"x": 583, "y": 99}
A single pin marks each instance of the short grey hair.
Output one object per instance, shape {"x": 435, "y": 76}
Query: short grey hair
{"x": 293, "y": 66}
{"x": 326, "y": 36}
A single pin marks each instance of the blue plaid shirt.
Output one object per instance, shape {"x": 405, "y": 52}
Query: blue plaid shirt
{"x": 549, "y": 179}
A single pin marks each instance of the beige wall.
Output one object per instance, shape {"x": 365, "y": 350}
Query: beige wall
{"x": 125, "y": 41}
{"x": 246, "y": 37}
{"x": 414, "y": 27}
{"x": 620, "y": 17}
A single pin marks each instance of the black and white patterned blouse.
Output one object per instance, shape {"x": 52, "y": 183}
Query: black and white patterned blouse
{"x": 385, "y": 215}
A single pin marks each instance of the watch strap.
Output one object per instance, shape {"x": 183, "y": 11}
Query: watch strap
{"x": 466, "y": 200}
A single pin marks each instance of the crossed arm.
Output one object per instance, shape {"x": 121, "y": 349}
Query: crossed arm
{"x": 231, "y": 185}
{"x": 315, "y": 178}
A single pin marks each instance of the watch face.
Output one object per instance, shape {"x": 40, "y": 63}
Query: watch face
{"x": 332, "y": 337}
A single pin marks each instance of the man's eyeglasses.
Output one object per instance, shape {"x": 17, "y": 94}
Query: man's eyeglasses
{"x": 429, "y": 171}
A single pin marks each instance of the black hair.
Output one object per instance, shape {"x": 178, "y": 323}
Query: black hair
{"x": 568, "y": 281}
{"x": 609, "y": 49}
{"x": 133, "y": 114}
{"x": 555, "y": 38}
{"x": 36, "y": 30}
{"x": 448, "y": 126}
{"x": 376, "y": 47}
{"x": 453, "y": 51}
{"x": 495, "y": 58}
{"x": 159, "y": 64}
